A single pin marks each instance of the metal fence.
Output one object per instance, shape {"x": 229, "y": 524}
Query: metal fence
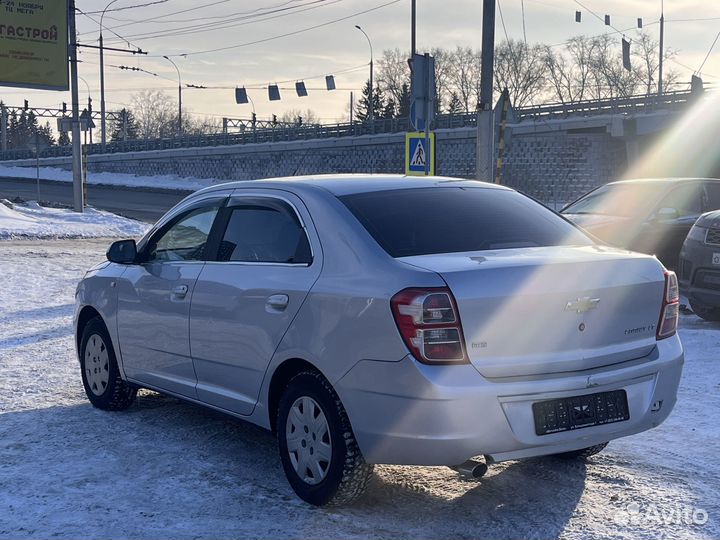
{"x": 634, "y": 104}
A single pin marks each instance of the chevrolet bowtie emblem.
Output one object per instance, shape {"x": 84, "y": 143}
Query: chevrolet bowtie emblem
{"x": 581, "y": 305}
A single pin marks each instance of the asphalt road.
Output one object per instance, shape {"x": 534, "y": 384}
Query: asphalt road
{"x": 145, "y": 204}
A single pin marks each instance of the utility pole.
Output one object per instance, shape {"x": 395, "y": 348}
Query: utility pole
{"x": 662, "y": 36}
{"x": 78, "y": 202}
{"x": 413, "y": 29}
{"x": 3, "y": 127}
{"x": 485, "y": 124}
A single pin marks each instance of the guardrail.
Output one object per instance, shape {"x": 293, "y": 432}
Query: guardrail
{"x": 642, "y": 103}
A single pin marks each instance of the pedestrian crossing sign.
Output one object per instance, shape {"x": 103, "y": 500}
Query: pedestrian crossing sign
{"x": 417, "y": 156}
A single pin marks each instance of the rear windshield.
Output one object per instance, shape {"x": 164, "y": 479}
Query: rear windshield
{"x": 407, "y": 222}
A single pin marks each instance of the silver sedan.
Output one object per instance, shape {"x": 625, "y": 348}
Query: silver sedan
{"x": 385, "y": 319}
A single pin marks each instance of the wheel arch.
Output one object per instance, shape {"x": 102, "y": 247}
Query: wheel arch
{"x": 86, "y": 314}
{"x": 282, "y": 375}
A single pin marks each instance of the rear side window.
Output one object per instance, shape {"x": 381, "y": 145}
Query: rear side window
{"x": 713, "y": 196}
{"x": 264, "y": 234}
{"x": 409, "y": 222}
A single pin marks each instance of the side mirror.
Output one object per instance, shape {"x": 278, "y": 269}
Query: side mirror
{"x": 122, "y": 252}
{"x": 667, "y": 214}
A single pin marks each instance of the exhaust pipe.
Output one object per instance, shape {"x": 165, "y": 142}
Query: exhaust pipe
{"x": 471, "y": 469}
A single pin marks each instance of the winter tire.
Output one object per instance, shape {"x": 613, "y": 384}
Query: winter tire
{"x": 321, "y": 458}
{"x": 100, "y": 374}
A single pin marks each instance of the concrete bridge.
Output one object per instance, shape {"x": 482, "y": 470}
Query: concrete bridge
{"x": 552, "y": 152}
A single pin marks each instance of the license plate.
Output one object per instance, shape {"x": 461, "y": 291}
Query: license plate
{"x": 556, "y": 415}
{"x": 716, "y": 258}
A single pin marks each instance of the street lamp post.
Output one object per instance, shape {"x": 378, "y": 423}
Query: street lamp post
{"x": 179, "y": 94}
{"x": 89, "y": 107}
{"x": 371, "y": 104}
{"x": 103, "y": 138}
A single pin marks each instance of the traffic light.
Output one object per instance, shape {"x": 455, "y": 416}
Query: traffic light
{"x": 254, "y": 119}
{"x": 273, "y": 92}
{"x": 26, "y": 106}
{"x": 274, "y": 119}
{"x": 64, "y": 107}
{"x": 241, "y": 95}
{"x": 89, "y": 104}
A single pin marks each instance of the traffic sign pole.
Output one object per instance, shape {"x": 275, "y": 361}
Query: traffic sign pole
{"x": 78, "y": 202}
{"x": 428, "y": 112}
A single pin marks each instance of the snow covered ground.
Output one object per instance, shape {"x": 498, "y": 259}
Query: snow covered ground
{"x": 168, "y": 469}
{"x": 111, "y": 179}
{"x": 35, "y": 221}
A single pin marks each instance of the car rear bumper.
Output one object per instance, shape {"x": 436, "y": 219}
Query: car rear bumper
{"x": 413, "y": 414}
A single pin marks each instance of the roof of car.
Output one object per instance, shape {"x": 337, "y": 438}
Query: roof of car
{"x": 669, "y": 180}
{"x": 347, "y": 184}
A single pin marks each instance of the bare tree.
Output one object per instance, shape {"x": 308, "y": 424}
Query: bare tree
{"x": 610, "y": 78}
{"x": 570, "y": 69}
{"x": 393, "y": 73}
{"x": 156, "y": 114}
{"x": 464, "y": 76}
{"x": 645, "y": 54}
{"x": 521, "y": 69}
{"x": 295, "y": 115}
{"x": 443, "y": 66}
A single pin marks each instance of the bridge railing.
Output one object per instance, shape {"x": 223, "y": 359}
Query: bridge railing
{"x": 379, "y": 126}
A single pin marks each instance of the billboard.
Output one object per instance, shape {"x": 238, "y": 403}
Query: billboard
{"x": 34, "y": 44}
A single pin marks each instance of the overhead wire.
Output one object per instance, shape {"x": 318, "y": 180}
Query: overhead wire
{"x": 708, "y": 53}
{"x": 232, "y": 22}
{"x": 287, "y": 34}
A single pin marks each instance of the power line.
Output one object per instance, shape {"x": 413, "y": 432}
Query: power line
{"x": 128, "y": 7}
{"x": 109, "y": 30}
{"x": 161, "y": 16}
{"x": 708, "y": 53}
{"x": 231, "y": 23}
{"x": 522, "y": 9}
{"x": 287, "y": 34}
{"x": 502, "y": 20}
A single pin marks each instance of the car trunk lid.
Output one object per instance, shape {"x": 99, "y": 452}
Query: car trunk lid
{"x": 534, "y": 311}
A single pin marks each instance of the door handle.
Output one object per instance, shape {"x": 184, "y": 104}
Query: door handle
{"x": 180, "y": 291}
{"x": 277, "y": 302}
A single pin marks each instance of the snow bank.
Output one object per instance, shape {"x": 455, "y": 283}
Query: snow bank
{"x": 113, "y": 179}
{"x": 35, "y": 221}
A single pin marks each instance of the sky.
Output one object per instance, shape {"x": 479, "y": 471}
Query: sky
{"x": 337, "y": 48}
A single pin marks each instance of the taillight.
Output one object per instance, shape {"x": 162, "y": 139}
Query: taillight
{"x": 429, "y": 324}
{"x": 667, "y": 326}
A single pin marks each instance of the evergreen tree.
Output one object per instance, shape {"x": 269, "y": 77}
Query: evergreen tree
{"x": 403, "y": 109}
{"x": 377, "y": 106}
{"x": 64, "y": 139}
{"x": 389, "y": 109}
{"x": 45, "y": 135}
{"x": 454, "y": 104}
{"x": 130, "y": 126}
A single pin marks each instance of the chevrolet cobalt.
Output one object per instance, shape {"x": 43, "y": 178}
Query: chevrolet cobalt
{"x": 385, "y": 319}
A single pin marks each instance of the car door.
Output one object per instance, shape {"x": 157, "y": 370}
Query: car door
{"x": 154, "y": 299}
{"x": 711, "y": 200}
{"x": 670, "y": 221}
{"x": 245, "y": 300}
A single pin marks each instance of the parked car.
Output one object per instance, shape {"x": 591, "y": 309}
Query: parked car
{"x": 700, "y": 266}
{"x": 384, "y": 319}
{"x": 649, "y": 215}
